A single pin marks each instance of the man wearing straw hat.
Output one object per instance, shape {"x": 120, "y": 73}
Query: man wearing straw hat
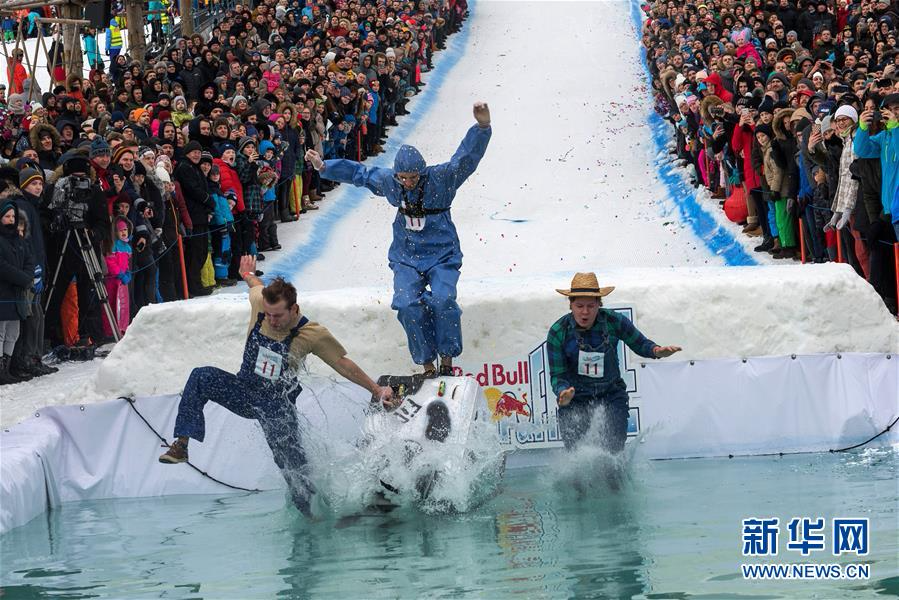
{"x": 583, "y": 363}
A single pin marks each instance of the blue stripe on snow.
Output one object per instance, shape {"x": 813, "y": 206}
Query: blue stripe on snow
{"x": 716, "y": 238}
{"x": 292, "y": 264}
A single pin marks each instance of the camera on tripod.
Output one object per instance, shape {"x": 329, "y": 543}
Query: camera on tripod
{"x": 69, "y": 210}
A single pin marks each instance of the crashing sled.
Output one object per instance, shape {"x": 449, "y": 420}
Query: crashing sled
{"x": 438, "y": 435}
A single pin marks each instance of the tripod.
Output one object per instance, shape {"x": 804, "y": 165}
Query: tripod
{"x": 82, "y": 237}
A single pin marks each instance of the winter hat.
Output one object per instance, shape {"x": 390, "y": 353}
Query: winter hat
{"x": 767, "y": 105}
{"x": 191, "y": 146}
{"x": 116, "y": 115}
{"x": 220, "y": 147}
{"x": 237, "y": 99}
{"x": 265, "y": 146}
{"x": 214, "y": 170}
{"x": 163, "y": 175}
{"x": 244, "y": 141}
{"x": 825, "y": 123}
{"x": 177, "y": 99}
{"x": 139, "y": 168}
{"x": 205, "y": 157}
{"x": 825, "y": 108}
{"x": 274, "y": 117}
{"x": 140, "y": 204}
{"x": 679, "y": 80}
{"x": 119, "y": 151}
{"x": 28, "y": 175}
{"x": 99, "y": 147}
{"x": 783, "y": 78}
{"x": 766, "y": 129}
{"x": 847, "y": 111}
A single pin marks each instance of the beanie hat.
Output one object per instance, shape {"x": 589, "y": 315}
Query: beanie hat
{"x": 191, "y": 146}
{"x": 116, "y": 115}
{"x": 163, "y": 175}
{"x": 846, "y": 111}
{"x": 766, "y": 129}
{"x": 244, "y": 141}
{"x": 119, "y": 151}
{"x": 139, "y": 168}
{"x": 28, "y": 175}
{"x": 99, "y": 147}
{"x": 205, "y": 157}
{"x": 237, "y": 99}
{"x": 767, "y": 105}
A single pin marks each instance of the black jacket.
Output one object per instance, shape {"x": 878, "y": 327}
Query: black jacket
{"x": 16, "y": 269}
{"x": 193, "y": 186}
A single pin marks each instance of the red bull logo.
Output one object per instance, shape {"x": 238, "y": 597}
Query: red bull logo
{"x": 507, "y": 404}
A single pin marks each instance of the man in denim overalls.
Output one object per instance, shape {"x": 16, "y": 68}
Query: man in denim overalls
{"x": 583, "y": 363}
{"x": 266, "y": 388}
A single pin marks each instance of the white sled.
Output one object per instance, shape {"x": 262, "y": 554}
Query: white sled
{"x": 434, "y": 433}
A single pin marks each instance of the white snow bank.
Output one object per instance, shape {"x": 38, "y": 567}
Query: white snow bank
{"x": 712, "y": 312}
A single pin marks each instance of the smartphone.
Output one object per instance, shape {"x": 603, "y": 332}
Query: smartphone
{"x": 875, "y": 119}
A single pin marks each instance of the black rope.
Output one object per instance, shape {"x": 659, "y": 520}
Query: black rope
{"x": 193, "y": 466}
{"x": 832, "y": 451}
{"x": 890, "y": 426}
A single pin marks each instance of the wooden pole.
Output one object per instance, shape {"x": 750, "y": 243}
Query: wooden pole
{"x": 187, "y": 19}
{"x": 73, "y": 57}
{"x": 137, "y": 43}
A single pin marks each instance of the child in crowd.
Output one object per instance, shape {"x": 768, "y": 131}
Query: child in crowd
{"x": 118, "y": 272}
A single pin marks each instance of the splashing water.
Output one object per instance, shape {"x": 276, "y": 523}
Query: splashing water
{"x": 384, "y": 469}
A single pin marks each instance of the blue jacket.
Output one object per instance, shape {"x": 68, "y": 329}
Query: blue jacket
{"x": 884, "y": 145}
{"x": 437, "y": 242}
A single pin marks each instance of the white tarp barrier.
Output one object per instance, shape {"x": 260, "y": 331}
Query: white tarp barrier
{"x": 707, "y": 408}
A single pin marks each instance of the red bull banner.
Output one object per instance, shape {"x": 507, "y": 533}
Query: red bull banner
{"x": 520, "y": 399}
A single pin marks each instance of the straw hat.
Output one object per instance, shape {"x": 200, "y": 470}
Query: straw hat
{"x": 585, "y": 284}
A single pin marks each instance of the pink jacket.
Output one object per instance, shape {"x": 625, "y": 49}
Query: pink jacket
{"x": 117, "y": 262}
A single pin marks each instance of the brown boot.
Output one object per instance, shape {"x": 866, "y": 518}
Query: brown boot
{"x": 754, "y": 232}
{"x": 177, "y": 453}
{"x": 775, "y": 249}
{"x": 376, "y": 149}
{"x": 315, "y": 196}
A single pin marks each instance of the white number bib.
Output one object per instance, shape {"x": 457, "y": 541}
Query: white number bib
{"x": 268, "y": 364}
{"x": 414, "y": 223}
{"x": 591, "y": 364}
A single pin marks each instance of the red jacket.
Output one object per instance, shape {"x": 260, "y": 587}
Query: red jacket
{"x": 741, "y": 141}
{"x": 230, "y": 181}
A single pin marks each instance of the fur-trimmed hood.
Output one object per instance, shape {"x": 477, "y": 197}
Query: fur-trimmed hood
{"x": 34, "y": 135}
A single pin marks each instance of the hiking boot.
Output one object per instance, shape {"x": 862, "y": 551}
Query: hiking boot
{"x": 430, "y": 370}
{"x": 177, "y": 453}
{"x": 260, "y": 257}
{"x": 754, "y": 232}
{"x": 18, "y": 371}
{"x": 5, "y": 377}
{"x": 44, "y": 369}
{"x": 766, "y": 245}
{"x": 446, "y": 370}
{"x": 307, "y": 204}
{"x": 775, "y": 249}
{"x": 786, "y": 253}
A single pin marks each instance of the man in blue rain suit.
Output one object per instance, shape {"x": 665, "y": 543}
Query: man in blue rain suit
{"x": 266, "y": 387}
{"x": 425, "y": 252}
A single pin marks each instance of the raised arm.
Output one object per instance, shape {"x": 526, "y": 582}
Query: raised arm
{"x": 470, "y": 152}
{"x": 377, "y": 179}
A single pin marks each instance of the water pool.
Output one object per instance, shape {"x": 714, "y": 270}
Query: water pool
{"x": 673, "y": 531}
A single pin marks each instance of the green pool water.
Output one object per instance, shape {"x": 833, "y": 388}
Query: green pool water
{"x": 674, "y": 530}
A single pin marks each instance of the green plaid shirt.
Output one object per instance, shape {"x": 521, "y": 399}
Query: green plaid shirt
{"x": 562, "y": 344}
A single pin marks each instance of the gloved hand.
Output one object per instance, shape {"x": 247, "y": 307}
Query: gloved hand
{"x": 844, "y": 220}
{"x": 38, "y": 286}
{"x": 313, "y": 158}
{"x": 833, "y": 221}
{"x": 124, "y": 277}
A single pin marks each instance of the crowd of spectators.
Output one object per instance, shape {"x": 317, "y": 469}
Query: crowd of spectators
{"x": 167, "y": 172}
{"x": 788, "y": 112}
